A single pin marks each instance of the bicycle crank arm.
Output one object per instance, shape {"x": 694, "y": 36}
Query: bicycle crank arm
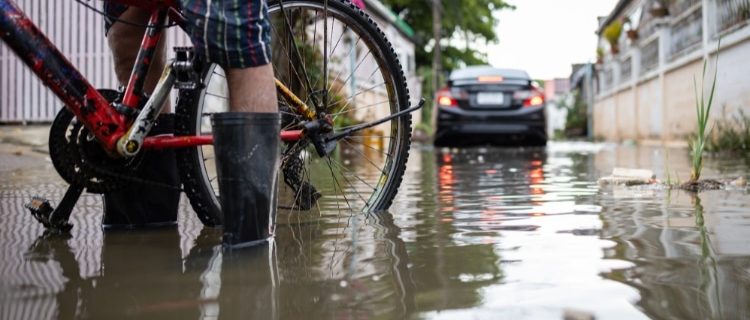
{"x": 345, "y": 133}
{"x": 130, "y": 143}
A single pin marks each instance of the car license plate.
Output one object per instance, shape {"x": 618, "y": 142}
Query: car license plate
{"x": 490, "y": 98}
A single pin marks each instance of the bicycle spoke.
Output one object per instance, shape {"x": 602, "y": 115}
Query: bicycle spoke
{"x": 349, "y": 75}
{"x": 364, "y": 156}
{"x": 343, "y": 193}
{"x": 325, "y": 50}
{"x": 294, "y": 42}
{"x": 350, "y": 98}
{"x": 381, "y": 151}
{"x": 358, "y": 108}
{"x": 354, "y": 174}
{"x": 338, "y": 75}
{"x": 286, "y": 51}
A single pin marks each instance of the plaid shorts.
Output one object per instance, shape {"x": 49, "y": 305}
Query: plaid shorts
{"x": 230, "y": 33}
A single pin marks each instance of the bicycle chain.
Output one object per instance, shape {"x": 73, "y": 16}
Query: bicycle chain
{"x": 81, "y": 162}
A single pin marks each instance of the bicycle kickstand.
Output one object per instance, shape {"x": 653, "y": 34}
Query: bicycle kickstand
{"x": 55, "y": 220}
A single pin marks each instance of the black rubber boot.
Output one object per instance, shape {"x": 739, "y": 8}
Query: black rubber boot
{"x": 246, "y": 146}
{"x": 147, "y": 205}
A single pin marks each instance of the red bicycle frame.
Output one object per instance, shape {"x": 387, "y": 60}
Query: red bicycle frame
{"x": 90, "y": 107}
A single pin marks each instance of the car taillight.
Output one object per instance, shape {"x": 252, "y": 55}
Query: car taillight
{"x": 530, "y": 98}
{"x": 445, "y": 99}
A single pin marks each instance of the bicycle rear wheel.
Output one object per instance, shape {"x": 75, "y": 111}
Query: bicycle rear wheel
{"x": 338, "y": 62}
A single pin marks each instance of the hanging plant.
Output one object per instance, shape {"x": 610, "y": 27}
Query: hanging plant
{"x": 599, "y": 55}
{"x": 612, "y": 33}
{"x": 660, "y": 8}
{"x": 631, "y": 32}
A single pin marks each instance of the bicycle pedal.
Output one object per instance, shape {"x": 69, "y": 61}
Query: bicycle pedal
{"x": 40, "y": 209}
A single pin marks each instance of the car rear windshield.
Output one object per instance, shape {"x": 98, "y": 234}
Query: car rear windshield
{"x": 475, "y": 72}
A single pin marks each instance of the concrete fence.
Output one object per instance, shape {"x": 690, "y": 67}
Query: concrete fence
{"x": 646, "y": 92}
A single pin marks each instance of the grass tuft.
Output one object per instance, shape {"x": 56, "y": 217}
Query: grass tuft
{"x": 703, "y": 110}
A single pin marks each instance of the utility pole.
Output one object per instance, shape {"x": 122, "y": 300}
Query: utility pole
{"x": 437, "y": 24}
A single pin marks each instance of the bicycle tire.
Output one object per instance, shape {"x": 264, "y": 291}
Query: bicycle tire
{"x": 191, "y": 162}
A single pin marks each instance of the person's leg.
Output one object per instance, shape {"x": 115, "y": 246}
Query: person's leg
{"x": 139, "y": 205}
{"x": 125, "y": 40}
{"x": 236, "y": 35}
{"x": 252, "y": 89}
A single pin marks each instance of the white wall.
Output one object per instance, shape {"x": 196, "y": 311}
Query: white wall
{"x": 660, "y": 103}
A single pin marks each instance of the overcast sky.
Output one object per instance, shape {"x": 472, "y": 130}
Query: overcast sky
{"x": 544, "y": 37}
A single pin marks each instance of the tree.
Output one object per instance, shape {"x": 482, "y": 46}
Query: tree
{"x": 464, "y": 23}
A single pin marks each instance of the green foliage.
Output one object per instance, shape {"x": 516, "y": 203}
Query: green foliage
{"x": 703, "y": 111}
{"x": 732, "y": 136}
{"x": 743, "y": 9}
{"x": 613, "y": 32}
{"x": 424, "y": 127}
{"x": 425, "y": 73}
{"x": 470, "y": 20}
{"x": 576, "y": 122}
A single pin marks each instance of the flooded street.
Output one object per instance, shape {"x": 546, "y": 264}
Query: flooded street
{"x": 478, "y": 233}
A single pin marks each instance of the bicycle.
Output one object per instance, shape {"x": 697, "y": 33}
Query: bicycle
{"x": 328, "y": 124}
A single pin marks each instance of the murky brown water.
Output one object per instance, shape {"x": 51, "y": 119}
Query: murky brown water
{"x": 477, "y": 234}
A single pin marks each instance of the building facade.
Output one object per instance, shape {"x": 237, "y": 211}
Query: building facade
{"x": 645, "y": 88}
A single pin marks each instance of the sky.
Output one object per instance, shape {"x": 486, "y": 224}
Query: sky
{"x": 544, "y": 37}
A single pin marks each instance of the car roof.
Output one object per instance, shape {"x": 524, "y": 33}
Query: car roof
{"x": 477, "y": 71}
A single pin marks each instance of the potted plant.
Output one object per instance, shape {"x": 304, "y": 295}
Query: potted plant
{"x": 599, "y": 55}
{"x": 660, "y": 8}
{"x": 631, "y": 32}
{"x": 612, "y": 33}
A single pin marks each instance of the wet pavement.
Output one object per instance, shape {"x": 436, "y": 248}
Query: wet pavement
{"x": 479, "y": 233}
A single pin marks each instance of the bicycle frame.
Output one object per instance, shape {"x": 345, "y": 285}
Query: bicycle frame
{"x": 81, "y": 98}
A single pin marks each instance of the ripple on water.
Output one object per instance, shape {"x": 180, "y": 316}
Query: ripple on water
{"x": 474, "y": 233}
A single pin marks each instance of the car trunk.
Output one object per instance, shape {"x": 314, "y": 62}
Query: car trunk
{"x": 489, "y": 96}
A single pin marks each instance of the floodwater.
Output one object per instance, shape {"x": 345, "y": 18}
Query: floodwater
{"x": 477, "y": 233}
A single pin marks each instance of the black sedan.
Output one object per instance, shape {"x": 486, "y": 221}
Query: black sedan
{"x": 482, "y": 104}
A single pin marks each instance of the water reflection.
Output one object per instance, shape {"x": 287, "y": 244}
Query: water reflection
{"x": 473, "y": 233}
{"x": 688, "y": 262}
{"x": 141, "y": 274}
{"x": 350, "y": 267}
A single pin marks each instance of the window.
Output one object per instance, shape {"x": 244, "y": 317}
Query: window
{"x": 650, "y": 56}
{"x": 626, "y": 70}
{"x": 607, "y": 79}
{"x": 687, "y": 27}
{"x": 731, "y": 15}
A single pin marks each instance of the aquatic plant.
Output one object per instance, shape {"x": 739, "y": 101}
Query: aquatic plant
{"x": 703, "y": 110}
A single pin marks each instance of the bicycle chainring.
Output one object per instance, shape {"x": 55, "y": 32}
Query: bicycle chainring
{"x": 80, "y": 160}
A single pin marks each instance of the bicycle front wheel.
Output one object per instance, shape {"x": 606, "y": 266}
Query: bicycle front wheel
{"x": 338, "y": 62}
